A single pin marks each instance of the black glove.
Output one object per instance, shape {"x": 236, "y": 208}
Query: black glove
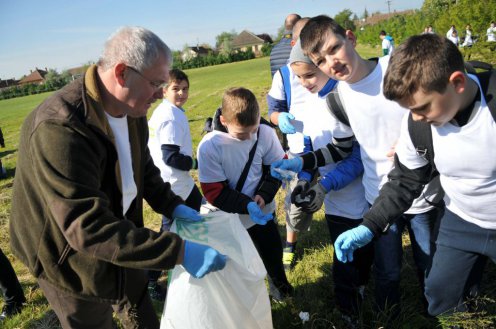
{"x": 299, "y": 192}
{"x": 315, "y": 196}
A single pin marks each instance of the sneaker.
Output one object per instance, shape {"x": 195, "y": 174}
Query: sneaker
{"x": 280, "y": 295}
{"x": 288, "y": 259}
{"x": 156, "y": 291}
{"x": 9, "y": 310}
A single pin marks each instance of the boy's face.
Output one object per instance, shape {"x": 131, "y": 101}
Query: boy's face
{"x": 338, "y": 58}
{"x": 236, "y": 130}
{"x": 434, "y": 108}
{"x": 177, "y": 92}
{"x": 310, "y": 76}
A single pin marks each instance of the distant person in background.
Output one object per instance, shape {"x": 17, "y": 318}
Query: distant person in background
{"x": 387, "y": 43}
{"x": 3, "y": 172}
{"x": 449, "y": 34}
{"x": 430, "y": 30}
{"x": 77, "y": 204}
{"x": 280, "y": 53}
{"x": 454, "y": 37}
{"x": 468, "y": 41}
{"x": 11, "y": 289}
{"x": 491, "y": 32}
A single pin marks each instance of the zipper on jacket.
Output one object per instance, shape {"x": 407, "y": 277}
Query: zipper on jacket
{"x": 64, "y": 254}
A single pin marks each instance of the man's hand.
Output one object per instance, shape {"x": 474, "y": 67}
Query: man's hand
{"x": 347, "y": 242}
{"x": 187, "y": 214}
{"x": 200, "y": 259}
{"x": 257, "y": 215}
{"x": 315, "y": 196}
{"x": 284, "y": 123}
{"x": 278, "y": 167}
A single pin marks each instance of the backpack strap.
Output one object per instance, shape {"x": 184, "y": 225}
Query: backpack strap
{"x": 421, "y": 136}
{"x": 336, "y": 108}
{"x": 286, "y": 82}
{"x": 487, "y": 81}
{"x": 246, "y": 169}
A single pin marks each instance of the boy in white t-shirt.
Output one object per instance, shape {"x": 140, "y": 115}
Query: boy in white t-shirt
{"x": 387, "y": 43}
{"x": 491, "y": 32}
{"x": 341, "y": 184}
{"x": 463, "y": 134}
{"x": 172, "y": 151}
{"x": 376, "y": 123}
{"x": 224, "y": 161}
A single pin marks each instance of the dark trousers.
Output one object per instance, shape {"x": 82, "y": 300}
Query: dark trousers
{"x": 351, "y": 276}
{"x": 388, "y": 256}
{"x": 9, "y": 285}
{"x": 194, "y": 201}
{"x": 267, "y": 240}
{"x": 457, "y": 266}
{"x": 135, "y": 310}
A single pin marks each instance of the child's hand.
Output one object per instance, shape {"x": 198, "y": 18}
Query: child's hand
{"x": 260, "y": 201}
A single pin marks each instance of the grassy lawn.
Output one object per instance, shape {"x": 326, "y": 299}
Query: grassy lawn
{"x": 312, "y": 276}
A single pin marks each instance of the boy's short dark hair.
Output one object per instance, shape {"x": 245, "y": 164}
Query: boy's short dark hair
{"x": 423, "y": 62}
{"x": 315, "y": 33}
{"x": 176, "y": 75}
{"x": 240, "y": 105}
{"x": 382, "y": 32}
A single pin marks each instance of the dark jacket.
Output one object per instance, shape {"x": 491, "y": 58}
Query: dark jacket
{"x": 397, "y": 195}
{"x": 66, "y": 222}
{"x": 280, "y": 53}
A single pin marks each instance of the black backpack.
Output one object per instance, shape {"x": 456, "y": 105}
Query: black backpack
{"x": 420, "y": 132}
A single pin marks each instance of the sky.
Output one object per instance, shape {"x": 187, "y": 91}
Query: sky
{"x": 60, "y": 35}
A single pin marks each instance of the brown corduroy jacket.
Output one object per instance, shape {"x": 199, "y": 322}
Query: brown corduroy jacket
{"x": 66, "y": 221}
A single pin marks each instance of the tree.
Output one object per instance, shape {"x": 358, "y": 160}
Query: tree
{"x": 365, "y": 14}
{"x": 343, "y": 18}
{"x": 225, "y": 37}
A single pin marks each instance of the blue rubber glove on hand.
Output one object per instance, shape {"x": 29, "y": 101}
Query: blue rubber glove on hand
{"x": 284, "y": 123}
{"x": 200, "y": 259}
{"x": 347, "y": 242}
{"x": 187, "y": 214}
{"x": 257, "y": 215}
{"x": 295, "y": 165}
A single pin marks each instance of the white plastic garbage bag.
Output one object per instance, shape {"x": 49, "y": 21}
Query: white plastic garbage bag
{"x": 235, "y": 297}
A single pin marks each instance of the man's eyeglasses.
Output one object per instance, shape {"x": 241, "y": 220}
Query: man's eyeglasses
{"x": 154, "y": 84}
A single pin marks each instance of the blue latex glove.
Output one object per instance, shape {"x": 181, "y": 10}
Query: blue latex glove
{"x": 295, "y": 165}
{"x": 347, "y": 242}
{"x": 284, "y": 123}
{"x": 257, "y": 215}
{"x": 200, "y": 259}
{"x": 187, "y": 214}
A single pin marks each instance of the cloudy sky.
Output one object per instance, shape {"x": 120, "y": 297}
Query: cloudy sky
{"x": 64, "y": 34}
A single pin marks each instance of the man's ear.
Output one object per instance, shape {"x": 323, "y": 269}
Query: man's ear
{"x": 120, "y": 73}
{"x": 459, "y": 81}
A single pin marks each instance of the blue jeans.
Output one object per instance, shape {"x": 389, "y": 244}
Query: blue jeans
{"x": 389, "y": 256}
{"x": 461, "y": 251}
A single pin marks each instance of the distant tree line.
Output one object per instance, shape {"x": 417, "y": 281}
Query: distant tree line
{"x": 210, "y": 59}
{"x": 441, "y": 14}
{"x": 53, "y": 81}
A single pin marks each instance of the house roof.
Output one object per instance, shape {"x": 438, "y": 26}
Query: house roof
{"x": 35, "y": 76}
{"x": 200, "y": 50}
{"x": 77, "y": 70}
{"x": 245, "y": 39}
{"x": 8, "y": 83}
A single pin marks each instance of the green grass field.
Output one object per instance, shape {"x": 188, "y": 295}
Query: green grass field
{"x": 312, "y": 275}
